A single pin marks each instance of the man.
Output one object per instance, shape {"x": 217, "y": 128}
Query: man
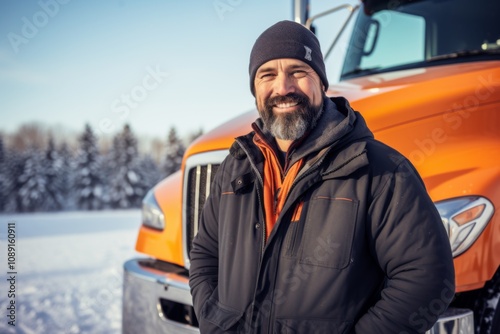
{"x": 313, "y": 226}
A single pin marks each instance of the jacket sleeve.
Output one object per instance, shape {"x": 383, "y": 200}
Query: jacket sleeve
{"x": 409, "y": 241}
{"x": 203, "y": 272}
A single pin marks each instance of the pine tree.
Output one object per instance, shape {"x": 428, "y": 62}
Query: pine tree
{"x": 149, "y": 171}
{"x": 87, "y": 179}
{"x": 174, "y": 153}
{"x": 3, "y": 177}
{"x": 15, "y": 165}
{"x": 127, "y": 186}
{"x": 32, "y": 183}
{"x": 52, "y": 168}
{"x": 66, "y": 176}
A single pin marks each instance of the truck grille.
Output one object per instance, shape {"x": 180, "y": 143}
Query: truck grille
{"x": 199, "y": 180}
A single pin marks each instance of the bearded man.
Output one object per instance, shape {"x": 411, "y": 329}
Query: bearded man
{"x": 312, "y": 225}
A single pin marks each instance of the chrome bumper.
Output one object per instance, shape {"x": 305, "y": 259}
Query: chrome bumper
{"x": 454, "y": 321}
{"x": 145, "y": 288}
{"x": 145, "y": 291}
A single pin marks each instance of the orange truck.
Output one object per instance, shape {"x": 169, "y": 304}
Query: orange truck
{"x": 425, "y": 74}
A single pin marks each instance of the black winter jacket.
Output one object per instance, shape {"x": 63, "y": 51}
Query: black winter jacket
{"x": 368, "y": 255}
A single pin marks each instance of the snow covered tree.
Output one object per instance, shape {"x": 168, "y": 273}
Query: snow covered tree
{"x": 52, "y": 169}
{"x": 174, "y": 153}
{"x": 88, "y": 185}
{"x": 32, "y": 183}
{"x": 4, "y": 177}
{"x": 66, "y": 176}
{"x": 15, "y": 165}
{"x": 127, "y": 187}
{"x": 149, "y": 171}
{"x": 34, "y": 180}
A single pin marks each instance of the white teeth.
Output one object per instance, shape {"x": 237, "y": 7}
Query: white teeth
{"x": 286, "y": 105}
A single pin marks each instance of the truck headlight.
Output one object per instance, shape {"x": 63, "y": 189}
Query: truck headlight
{"x": 152, "y": 216}
{"x": 464, "y": 219}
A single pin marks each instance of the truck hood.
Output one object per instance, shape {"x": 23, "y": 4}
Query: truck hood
{"x": 388, "y": 100}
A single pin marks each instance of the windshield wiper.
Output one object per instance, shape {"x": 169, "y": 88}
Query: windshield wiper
{"x": 361, "y": 71}
{"x": 464, "y": 53}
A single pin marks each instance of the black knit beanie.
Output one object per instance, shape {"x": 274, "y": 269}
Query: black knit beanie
{"x": 287, "y": 39}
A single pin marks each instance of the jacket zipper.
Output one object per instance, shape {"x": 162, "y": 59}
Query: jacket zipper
{"x": 306, "y": 172}
{"x": 261, "y": 203}
{"x": 263, "y": 224}
{"x": 311, "y": 168}
{"x": 294, "y": 226}
{"x": 309, "y": 171}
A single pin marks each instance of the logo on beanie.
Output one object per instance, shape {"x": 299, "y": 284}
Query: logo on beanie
{"x": 308, "y": 53}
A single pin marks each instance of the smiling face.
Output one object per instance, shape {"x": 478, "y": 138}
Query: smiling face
{"x": 289, "y": 97}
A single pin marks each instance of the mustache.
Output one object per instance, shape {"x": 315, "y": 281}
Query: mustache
{"x": 289, "y": 98}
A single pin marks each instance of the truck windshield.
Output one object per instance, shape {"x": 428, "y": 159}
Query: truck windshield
{"x": 422, "y": 33}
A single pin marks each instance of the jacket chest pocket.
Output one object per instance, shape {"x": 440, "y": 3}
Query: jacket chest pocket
{"x": 328, "y": 232}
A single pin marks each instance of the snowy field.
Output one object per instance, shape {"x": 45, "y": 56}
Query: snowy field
{"x": 67, "y": 270}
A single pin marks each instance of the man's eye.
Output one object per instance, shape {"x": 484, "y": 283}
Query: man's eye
{"x": 299, "y": 73}
{"x": 266, "y": 75}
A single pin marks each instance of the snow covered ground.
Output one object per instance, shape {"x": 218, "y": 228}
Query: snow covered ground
{"x": 68, "y": 270}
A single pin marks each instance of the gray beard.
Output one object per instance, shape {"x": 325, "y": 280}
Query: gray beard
{"x": 292, "y": 125}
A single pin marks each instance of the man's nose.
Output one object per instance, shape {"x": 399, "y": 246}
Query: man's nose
{"x": 283, "y": 84}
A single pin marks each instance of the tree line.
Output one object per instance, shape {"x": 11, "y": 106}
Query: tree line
{"x": 56, "y": 177}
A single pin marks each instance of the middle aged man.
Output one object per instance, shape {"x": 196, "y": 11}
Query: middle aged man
{"x": 313, "y": 226}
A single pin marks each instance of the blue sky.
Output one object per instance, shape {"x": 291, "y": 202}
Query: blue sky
{"x": 153, "y": 64}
